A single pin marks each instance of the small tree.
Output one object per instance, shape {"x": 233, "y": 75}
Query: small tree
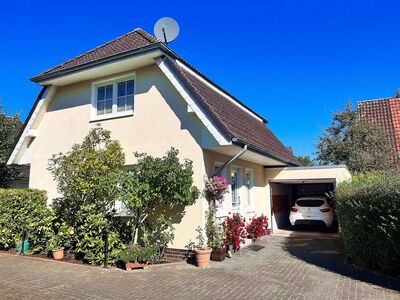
{"x": 88, "y": 177}
{"x": 154, "y": 184}
{"x": 306, "y": 160}
{"x": 361, "y": 145}
{"x": 9, "y": 129}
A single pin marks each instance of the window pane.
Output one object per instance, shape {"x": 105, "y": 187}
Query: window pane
{"x": 100, "y": 93}
{"x": 310, "y": 203}
{"x": 130, "y": 87}
{"x": 121, "y": 89}
{"x": 121, "y": 103}
{"x": 129, "y": 102}
{"x": 108, "y": 106}
{"x": 100, "y": 107}
{"x": 109, "y": 92}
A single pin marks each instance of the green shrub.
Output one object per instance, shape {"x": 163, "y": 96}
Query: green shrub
{"x": 136, "y": 253}
{"x": 24, "y": 211}
{"x": 368, "y": 210}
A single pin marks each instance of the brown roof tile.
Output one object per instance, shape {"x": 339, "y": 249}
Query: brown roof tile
{"x": 231, "y": 119}
{"x": 385, "y": 113}
{"x": 133, "y": 40}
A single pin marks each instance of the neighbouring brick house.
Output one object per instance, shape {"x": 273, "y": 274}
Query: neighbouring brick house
{"x": 385, "y": 113}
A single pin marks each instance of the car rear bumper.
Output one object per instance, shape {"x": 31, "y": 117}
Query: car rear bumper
{"x": 310, "y": 222}
{"x": 298, "y": 219}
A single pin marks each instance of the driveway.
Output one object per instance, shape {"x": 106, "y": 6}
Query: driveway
{"x": 286, "y": 268}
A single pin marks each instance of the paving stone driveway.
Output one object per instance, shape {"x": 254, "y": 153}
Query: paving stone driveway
{"x": 287, "y": 268}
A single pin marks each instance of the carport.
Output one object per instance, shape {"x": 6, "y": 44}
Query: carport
{"x": 288, "y": 184}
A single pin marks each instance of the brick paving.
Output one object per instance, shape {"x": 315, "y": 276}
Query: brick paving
{"x": 287, "y": 268}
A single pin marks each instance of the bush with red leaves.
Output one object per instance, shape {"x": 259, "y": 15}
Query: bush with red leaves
{"x": 257, "y": 227}
{"x": 235, "y": 231}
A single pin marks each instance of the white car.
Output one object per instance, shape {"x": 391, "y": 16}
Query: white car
{"x": 311, "y": 210}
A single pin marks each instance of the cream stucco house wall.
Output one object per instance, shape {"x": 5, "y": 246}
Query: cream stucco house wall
{"x": 151, "y": 100}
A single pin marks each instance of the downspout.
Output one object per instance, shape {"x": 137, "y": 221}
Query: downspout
{"x": 231, "y": 160}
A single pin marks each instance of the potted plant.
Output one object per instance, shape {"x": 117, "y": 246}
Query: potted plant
{"x": 19, "y": 244}
{"x": 55, "y": 247}
{"x": 215, "y": 189}
{"x": 136, "y": 257}
{"x": 201, "y": 251}
{"x": 235, "y": 231}
{"x": 215, "y": 238}
{"x": 59, "y": 239}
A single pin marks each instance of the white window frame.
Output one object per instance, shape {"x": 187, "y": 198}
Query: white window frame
{"x": 115, "y": 113}
{"x": 236, "y": 209}
{"x": 249, "y": 191}
{"x": 221, "y": 209}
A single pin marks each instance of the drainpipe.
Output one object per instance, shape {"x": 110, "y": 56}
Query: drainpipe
{"x": 231, "y": 160}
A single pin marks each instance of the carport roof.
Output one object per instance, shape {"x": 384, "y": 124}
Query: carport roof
{"x": 311, "y": 174}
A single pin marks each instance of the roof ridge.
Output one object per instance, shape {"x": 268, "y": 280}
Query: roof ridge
{"x": 137, "y": 30}
{"x": 378, "y": 99}
{"x": 146, "y": 35}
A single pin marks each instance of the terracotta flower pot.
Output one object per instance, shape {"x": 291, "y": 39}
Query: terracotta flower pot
{"x": 58, "y": 254}
{"x": 202, "y": 257}
{"x": 135, "y": 265}
{"x": 218, "y": 254}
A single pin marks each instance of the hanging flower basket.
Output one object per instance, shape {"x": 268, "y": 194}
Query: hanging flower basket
{"x": 215, "y": 188}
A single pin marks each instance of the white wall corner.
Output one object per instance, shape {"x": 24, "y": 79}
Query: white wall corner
{"x": 29, "y": 130}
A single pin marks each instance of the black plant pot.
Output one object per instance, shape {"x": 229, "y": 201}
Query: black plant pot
{"x": 218, "y": 254}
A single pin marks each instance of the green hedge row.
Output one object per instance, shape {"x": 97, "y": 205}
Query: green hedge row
{"x": 368, "y": 210}
{"x": 24, "y": 210}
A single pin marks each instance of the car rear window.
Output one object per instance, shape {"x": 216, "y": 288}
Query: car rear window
{"x": 310, "y": 202}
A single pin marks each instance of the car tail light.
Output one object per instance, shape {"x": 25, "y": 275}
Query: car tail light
{"x": 325, "y": 209}
{"x": 294, "y": 209}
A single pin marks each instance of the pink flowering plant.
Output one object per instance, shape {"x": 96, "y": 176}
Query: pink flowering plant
{"x": 215, "y": 188}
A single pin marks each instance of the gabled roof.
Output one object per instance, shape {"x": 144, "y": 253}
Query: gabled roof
{"x": 237, "y": 122}
{"x": 135, "y": 39}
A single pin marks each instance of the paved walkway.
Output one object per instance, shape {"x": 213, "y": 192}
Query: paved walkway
{"x": 287, "y": 268}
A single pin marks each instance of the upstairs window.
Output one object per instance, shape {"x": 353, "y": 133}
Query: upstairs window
{"x": 113, "y": 98}
{"x": 125, "y": 95}
{"x": 104, "y": 99}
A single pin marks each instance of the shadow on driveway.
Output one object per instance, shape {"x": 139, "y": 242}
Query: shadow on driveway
{"x": 327, "y": 253}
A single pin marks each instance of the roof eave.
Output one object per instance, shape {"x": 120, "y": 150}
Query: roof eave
{"x": 45, "y": 77}
{"x": 264, "y": 152}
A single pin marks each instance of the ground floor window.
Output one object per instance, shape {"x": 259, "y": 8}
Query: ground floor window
{"x": 235, "y": 186}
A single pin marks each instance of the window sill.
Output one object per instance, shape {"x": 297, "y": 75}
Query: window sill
{"x": 112, "y": 116}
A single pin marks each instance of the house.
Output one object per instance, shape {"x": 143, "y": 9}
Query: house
{"x": 152, "y": 99}
{"x": 385, "y": 113}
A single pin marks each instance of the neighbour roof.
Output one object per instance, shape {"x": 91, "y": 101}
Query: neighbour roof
{"x": 235, "y": 120}
{"x": 385, "y": 113}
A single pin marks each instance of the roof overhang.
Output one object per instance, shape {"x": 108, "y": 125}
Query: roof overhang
{"x": 313, "y": 174}
{"x": 106, "y": 68}
{"x": 250, "y": 155}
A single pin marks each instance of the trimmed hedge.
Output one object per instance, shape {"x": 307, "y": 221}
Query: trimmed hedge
{"x": 24, "y": 210}
{"x": 368, "y": 210}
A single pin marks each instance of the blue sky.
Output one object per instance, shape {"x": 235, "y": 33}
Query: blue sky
{"x": 294, "y": 62}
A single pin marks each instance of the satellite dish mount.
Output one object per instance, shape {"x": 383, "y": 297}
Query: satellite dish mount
{"x": 166, "y": 29}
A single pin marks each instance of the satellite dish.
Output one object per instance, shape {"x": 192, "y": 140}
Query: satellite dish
{"x": 166, "y": 29}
